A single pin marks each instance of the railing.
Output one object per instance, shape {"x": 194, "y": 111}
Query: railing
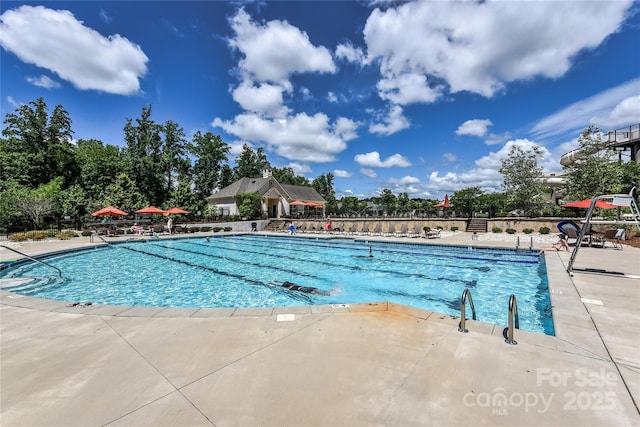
{"x": 514, "y": 321}
{"x": 34, "y": 259}
{"x": 463, "y": 302}
{"x": 93, "y": 235}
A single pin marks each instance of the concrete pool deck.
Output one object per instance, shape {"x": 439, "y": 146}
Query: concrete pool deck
{"x": 365, "y": 364}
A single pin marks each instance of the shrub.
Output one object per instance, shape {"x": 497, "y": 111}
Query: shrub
{"x": 228, "y": 228}
{"x": 86, "y": 233}
{"x": 51, "y": 232}
{"x": 66, "y": 235}
{"x": 18, "y": 237}
{"x": 37, "y": 235}
{"x": 544, "y": 230}
{"x": 216, "y": 229}
{"x": 454, "y": 228}
{"x": 193, "y": 229}
{"x": 205, "y": 229}
{"x": 510, "y": 231}
{"x": 527, "y": 231}
{"x": 496, "y": 230}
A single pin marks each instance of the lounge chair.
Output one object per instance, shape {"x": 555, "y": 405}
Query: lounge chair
{"x": 377, "y": 230}
{"x": 417, "y": 230}
{"x": 391, "y": 231}
{"x": 434, "y": 233}
{"x": 365, "y": 229}
{"x": 403, "y": 231}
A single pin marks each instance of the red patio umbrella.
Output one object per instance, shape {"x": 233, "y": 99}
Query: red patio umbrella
{"x": 444, "y": 204}
{"x": 109, "y": 211}
{"x": 150, "y": 210}
{"x": 297, "y": 202}
{"x": 174, "y": 211}
{"x": 585, "y": 204}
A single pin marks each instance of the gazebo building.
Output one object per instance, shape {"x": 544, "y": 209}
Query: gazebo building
{"x": 277, "y": 198}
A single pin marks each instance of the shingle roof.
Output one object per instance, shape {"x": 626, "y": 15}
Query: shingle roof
{"x": 261, "y": 186}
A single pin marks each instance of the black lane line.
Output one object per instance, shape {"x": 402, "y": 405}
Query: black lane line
{"x": 296, "y": 295}
{"x": 439, "y": 252}
{"x": 351, "y": 266}
{"x": 469, "y": 283}
{"x": 238, "y": 261}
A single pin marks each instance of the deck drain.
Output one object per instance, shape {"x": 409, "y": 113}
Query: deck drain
{"x": 285, "y": 317}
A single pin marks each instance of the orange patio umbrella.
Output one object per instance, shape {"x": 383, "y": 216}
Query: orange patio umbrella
{"x": 174, "y": 211}
{"x": 297, "y": 202}
{"x": 444, "y": 204}
{"x": 585, "y": 204}
{"x": 150, "y": 210}
{"x": 109, "y": 211}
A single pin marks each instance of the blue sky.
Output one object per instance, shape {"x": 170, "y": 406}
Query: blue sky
{"x": 419, "y": 97}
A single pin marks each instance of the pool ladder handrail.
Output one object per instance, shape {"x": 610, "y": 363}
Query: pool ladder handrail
{"x": 463, "y": 302}
{"x": 518, "y": 243}
{"x": 514, "y": 321}
{"x": 98, "y": 236}
{"x": 34, "y": 259}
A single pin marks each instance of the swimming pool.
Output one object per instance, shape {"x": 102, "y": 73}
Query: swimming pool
{"x": 248, "y": 270}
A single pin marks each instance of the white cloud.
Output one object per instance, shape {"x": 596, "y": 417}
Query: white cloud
{"x": 12, "y": 102}
{"x": 486, "y": 173}
{"x": 57, "y": 41}
{"x": 274, "y": 51}
{"x": 299, "y": 168}
{"x": 372, "y": 160}
{"x": 350, "y": 53}
{"x": 626, "y": 113}
{"x": 475, "y": 127}
{"x": 263, "y": 99}
{"x": 392, "y": 123}
{"x": 368, "y": 172}
{"x": 300, "y": 137}
{"x": 104, "y": 16}
{"x": 43, "y": 81}
{"x": 407, "y": 89}
{"x": 480, "y": 46}
{"x": 342, "y": 174}
{"x": 605, "y": 109}
{"x": 450, "y": 157}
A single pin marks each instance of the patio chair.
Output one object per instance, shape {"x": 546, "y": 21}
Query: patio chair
{"x": 417, "y": 230}
{"x": 613, "y": 236}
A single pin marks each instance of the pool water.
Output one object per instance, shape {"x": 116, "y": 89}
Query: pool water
{"x": 248, "y": 270}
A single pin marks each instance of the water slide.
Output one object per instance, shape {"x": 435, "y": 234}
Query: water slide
{"x": 628, "y": 137}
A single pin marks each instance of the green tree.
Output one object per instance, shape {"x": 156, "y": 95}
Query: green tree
{"x": 175, "y": 164}
{"x": 404, "y": 204}
{"x": 144, "y": 148}
{"x": 226, "y": 176}
{"x": 123, "y": 194}
{"x": 324, "y": 186}
{"x": 38, "y": 146}
{"x": 288, "y": 176}
{"x": 186, "y": 199}
{"x": 211, "y": 154}
{"x": 37, "y": 203}
{"x": 99, "y": 167}
{"x": 599, "y": 172}
{"x": 388, "y": 201}
{"x": 467, "y": 200}
{"x": 493, "y": 203}
{"x": 523, "y": 180}
{"x": 249, "y": 164}
{"x": 250, "y": 205}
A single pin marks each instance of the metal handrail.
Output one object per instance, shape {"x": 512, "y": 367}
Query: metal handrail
{"x": 463, "y": 302}
{"x": 514, "y": 321}
{"x": 98, "y": 236}
{"x": 34, "y": 259}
